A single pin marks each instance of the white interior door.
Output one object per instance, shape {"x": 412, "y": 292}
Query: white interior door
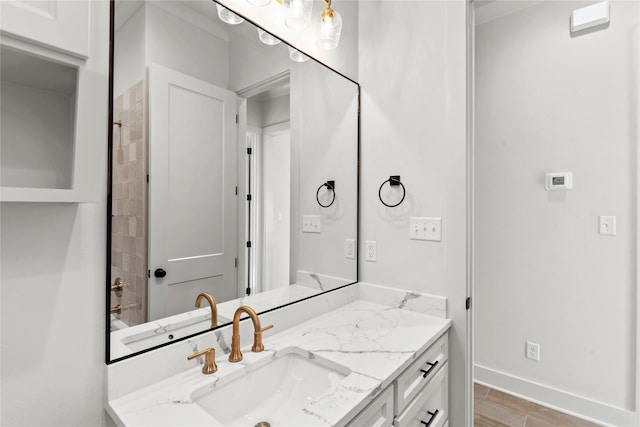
{"x": 276, "y": 182}
{"x": 192, "y": 198}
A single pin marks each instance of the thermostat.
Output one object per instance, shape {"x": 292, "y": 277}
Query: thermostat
{"x": 555, "y": 181}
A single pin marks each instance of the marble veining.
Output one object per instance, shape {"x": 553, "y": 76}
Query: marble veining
{"x": 373, "y": 342}
{"x": 319, "y": 282}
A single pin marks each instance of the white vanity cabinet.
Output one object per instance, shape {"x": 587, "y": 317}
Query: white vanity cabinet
{"x": 60, "y": 25}
{"x": 54, "y": 98}
{"x": 419, "y": 395}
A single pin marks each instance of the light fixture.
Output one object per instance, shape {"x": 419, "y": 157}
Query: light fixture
{"x": 259, "y": 2}
{"x": 227, "y": 16}
{"x": 330, "y": 28}
{"x": 267, "y": 38}
{"x": 297, "y": 56}
{"x": 299, "y": 14}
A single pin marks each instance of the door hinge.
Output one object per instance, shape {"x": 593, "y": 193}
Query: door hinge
{"x": 248, "y": 197}
{"x": 249, "y": 244}
{"x": 237, "y": 119}
{"x": 235, "y": 263}
{"x": 147, "y": 178}
{"x": 249, "y": 150}
{"x": 149, "y": 274}
{"x": 236, "y": 190}
{"x": 468, "y": 303}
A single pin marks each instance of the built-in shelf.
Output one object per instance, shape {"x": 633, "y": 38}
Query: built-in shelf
{"x": 37, "y": 128}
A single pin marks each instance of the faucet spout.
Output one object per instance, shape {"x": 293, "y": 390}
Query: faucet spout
{"x": 212, "y": 305}
{"x": 257, "y": 347}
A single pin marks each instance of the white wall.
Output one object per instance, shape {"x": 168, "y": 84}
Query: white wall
{"x": 412, "y": 62}
{"x": 53, "y": 292}
{"x": 177, "y": 44}
{"x": 276, "y": 110}
{"x": 324, "y": 123}
{"x": 129, "y": 52}
{"x": 549, "y": 102}
{"x": 159, "y": 33}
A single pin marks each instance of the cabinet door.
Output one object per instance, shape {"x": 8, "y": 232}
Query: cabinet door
{"x": 379, "y": 412}
{"x": 59, "y": 24}
{"x": 419, "y": 374}
{"x": 431, "y": 406}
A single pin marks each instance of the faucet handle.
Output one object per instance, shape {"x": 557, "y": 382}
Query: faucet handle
{"x": 209, "y": 360}
{"x": 257, "y": 339}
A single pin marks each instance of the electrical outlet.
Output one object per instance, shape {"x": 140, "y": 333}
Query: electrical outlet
{"x": 370, "y": 248}
{"x": 607, "y": 225}
{"x": 425, "y": 229}
{"x": 349, "y": 248}
{"x": 311, "y": 224}
{"x": 532, "y": 351}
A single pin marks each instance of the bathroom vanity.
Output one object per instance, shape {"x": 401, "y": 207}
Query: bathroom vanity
{"x": 362, "y": 355}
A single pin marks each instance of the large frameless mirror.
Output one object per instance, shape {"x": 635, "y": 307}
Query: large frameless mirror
{"x": 234, "y": 172}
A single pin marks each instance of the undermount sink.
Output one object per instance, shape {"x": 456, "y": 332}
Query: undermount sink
{"x": 271, "y": 392}
{"x": 170, "y": 332}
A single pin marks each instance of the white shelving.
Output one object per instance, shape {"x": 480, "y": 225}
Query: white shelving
{"x": 52, "y": 108}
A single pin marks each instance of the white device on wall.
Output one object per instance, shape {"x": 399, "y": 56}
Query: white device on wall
{"x": 590, "y": 16}
{"x": 555, "y": 181}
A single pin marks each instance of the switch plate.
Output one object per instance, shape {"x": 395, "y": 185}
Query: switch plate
{"x": 311, "y": 224}
{"x": 349, "y": 248}
{"x": 607, "y": 225}
{"x": 532, "y": 351}
{"x": 425, "y": 229}
{"x": 370, "y": 248}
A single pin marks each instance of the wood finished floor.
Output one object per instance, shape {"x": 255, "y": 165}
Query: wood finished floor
{"x": 494, "y": 408}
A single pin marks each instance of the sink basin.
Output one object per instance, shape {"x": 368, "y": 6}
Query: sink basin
{"x": 170, "y": 332}
{"x": 271, "y": 392}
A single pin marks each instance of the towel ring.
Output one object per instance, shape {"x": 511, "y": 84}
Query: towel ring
{"x": 331, "y": 185}
{"x": 394, "y": 180}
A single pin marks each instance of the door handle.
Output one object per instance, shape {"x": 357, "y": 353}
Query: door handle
{"x": 159, "y": 272}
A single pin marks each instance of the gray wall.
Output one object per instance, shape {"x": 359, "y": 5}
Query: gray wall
{"x": 412, "y": 68}
{"x": 549, "y": 102}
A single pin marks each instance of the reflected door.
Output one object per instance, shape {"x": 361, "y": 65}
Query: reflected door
{"x": 192, "y": 192}
{"x": 276, "y": 182}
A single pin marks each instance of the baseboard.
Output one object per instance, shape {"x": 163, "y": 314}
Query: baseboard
{"x": 558, "y": 400}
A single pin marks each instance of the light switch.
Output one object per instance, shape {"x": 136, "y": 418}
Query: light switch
{"x": 425, "y": 229}
{"x": 311, "y": 224}
{"x": 607, "y": 225}
{"x": 349, "y": 248}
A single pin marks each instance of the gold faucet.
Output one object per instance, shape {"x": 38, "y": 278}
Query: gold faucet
{"x": 257, "y": 347}
{"x": 212, "y": 304}
{"x": 209, "y": 360}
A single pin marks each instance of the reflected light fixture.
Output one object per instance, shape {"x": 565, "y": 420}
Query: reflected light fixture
{"x": 297, "y": 56}
{"x": 227, "y": 16}
{"x": 330, "y": 28}
{"x": 299, "y": 14}
{"x": 267, "y": 38}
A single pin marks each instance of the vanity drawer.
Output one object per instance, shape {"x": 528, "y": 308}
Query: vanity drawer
{"x": 378, "y": 413}
{"x": 431, "y": 405}
{"x": 420, "y": 373}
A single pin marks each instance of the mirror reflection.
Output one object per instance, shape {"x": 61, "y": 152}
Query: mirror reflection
{"x": 234, "y": 173}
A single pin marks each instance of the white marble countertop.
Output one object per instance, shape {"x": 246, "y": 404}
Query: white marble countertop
{"x": 376, "y": 342}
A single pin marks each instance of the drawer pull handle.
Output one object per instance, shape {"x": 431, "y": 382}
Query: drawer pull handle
{"x": 428, "y": 371}
{"x": 433, "y": 417}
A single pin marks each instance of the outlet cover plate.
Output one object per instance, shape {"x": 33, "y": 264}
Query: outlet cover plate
{"x": 370, "y": 251}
